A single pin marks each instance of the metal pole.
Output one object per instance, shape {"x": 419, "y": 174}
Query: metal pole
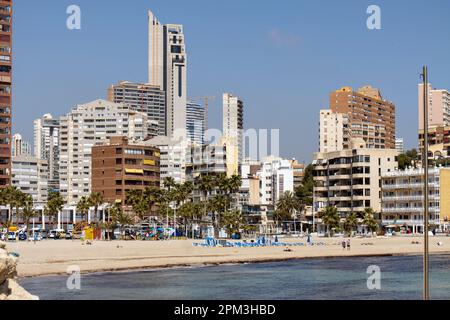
{"x": 426, "y": 291}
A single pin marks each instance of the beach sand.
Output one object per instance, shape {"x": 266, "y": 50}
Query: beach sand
{"x": 51, "y": 257}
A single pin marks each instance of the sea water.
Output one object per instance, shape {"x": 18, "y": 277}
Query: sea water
{"x": 306, "y": 279}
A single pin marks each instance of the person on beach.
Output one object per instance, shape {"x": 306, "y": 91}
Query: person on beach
{"x": 348, "y": 245}
{"x": 344, "y": 244}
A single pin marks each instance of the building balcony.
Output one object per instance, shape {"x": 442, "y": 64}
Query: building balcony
{"x": 407, "y": 210}
{"x": 408, "y": 222}
{"x": 409, "y": 198}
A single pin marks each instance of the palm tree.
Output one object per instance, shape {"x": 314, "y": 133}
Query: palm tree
{"x": 118, "y": 216}
{"x": 234, "y": 185}
{"x": 55, "y": 204}
{"x": 350, "y": 223}
{"x": 222, "y": 183}
{"x": 152, "y": 196}
{"x": 83, "y": 207}
{"x": 330, "y": 218}
{"x": 218, "y": 205}
{"x": 232, "y": 222}
{"x": 287, "y": 206}
{"x": 28, "y": 212}
{"x": 19, "y": 199}
{"x": 206, "y": 185}
{"x": 169, "y": 183}
{"x": 9, "y": 198}
{"x": 369, "y": 220}
{"x": 95, "y": 200}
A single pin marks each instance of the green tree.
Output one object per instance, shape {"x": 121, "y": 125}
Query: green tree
{"x": 350, "y": 223}
{"x": 305, "y": 191}
{"x": 28, "y": 212}
{"x": 369, "y": 220}
{"x": 119, "y": 217}
{"x": 95, "y": 200}
{"x": 287, "y": 206}
{"x": 233, "y": 221}
{"x": 55, "y": 204}
{"x": 83, "y": 206}
{"x": 330, "y": 218}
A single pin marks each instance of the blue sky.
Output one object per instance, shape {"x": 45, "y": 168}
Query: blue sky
{"x": 282, "y": 57}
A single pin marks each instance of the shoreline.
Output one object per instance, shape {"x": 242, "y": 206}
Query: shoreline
{"x": 54, "y": 257}
{"x": 206, "y": 264}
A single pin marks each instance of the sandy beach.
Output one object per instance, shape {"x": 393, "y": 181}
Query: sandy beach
{"x": 54, "y": 257}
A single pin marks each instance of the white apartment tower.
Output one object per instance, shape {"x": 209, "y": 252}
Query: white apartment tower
{"x": 276, "y": 177}
{"x": 196, "y": 122}
{"x": 46, "y": 147}
{"x": 334, "y": 131}
{"x": 87, "y": 125}
{"x": 167, "y": 63}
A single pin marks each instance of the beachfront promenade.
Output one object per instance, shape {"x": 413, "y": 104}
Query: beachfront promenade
{"x": 54, "y": 257}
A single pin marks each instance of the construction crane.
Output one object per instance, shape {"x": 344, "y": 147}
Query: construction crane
{"x": 206, "y": 100}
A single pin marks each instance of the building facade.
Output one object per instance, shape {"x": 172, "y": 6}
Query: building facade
{"x": 167, "y": 69}
{"x": 438, "y": 107}
{"x": 6, "y": 23}
{"x": 85, "y": 126}
{"x": 299, "y": 173}
{"x": 196, "y": 122}
{"x": 46, "y": 146}
{"x": 173, "y": 155}
{"x": 334, "y": 132}
{"x": 144, "y": 98}
{"x": 400, "y": 145}
{"x": 276, "y": 177}
{"x": 370, "y": 116}
{"x": 233, "y": 131}
{"x": 30, "y": 175}
{"x": 403, "y": 201}
{"x": 119, "y": 166}
{"x": 20, "y": 147}
{"x": 350, "y": 180}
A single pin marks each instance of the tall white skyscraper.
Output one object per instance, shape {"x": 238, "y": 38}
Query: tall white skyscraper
{"x": 167, "y": 63}
{"x": 233, "y": 131}
{"x": 196, "y": 122}
{"x": 85, "y": 126}
{"x": 46, "y": 147}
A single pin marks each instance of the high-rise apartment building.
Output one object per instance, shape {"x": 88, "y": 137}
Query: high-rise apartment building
{"x": 85, "y": 126}
{"x": 119, "y": 166}
{"x": 6, "y": 13}
{"x": 20, "y": 147}
{"x": 370, "y": 116}
{"x": 46, "y": 147}
{"x": 30, "y": 175}
{"x": 350, "y": 180}
{"x": 196, "y": 122}
{"x": 334, "y": 132}
{"x": 402, "y": 199}
{"x": 167, "y": 69}
{"x": 438, "y": 107}
{"x": 233, "y": 131}
{"x": 144, "y": 98}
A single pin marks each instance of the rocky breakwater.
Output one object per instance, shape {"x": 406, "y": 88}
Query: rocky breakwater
{"x": 9, "y": 288}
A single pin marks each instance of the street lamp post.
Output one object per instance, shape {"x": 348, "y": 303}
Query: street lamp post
{"x": 426, "y": 291}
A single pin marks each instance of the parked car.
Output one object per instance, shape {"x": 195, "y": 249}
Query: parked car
{"x": 22, "y": 236}
{"x": 12, "y": 236}
{"x": 68, "y": 235}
